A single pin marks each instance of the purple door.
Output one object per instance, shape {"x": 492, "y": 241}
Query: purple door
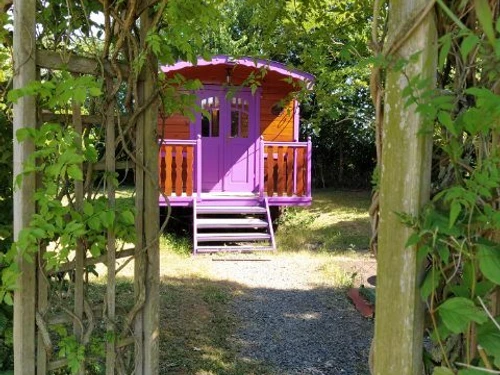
{"x": 227, "y": 126}
{"x": 209, "y": 126}
{"x": 239, "y": 147}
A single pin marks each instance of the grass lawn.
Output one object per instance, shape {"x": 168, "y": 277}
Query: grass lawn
{"x": 336, "y": 222}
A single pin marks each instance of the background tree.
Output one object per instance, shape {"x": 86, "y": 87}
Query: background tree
{"x": 330, "y": 40}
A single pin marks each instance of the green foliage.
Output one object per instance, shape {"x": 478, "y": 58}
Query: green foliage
{"x": 330, "y": 40}
{"x": 60, "y": 223}
{"x": 457, "y": 234}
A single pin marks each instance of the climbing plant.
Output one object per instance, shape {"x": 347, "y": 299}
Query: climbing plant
{"x": 90, "y": 115}
{"x": 458, "y": 233}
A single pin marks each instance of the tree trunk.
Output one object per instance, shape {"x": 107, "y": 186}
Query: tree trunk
{"x": 405, "y": 186}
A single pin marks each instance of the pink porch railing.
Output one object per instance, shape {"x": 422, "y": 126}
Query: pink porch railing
{"x": 285, "y": 168}
{"x": 177, "y": 166}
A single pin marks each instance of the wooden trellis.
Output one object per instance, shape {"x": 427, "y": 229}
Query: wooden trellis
{"x": 134, "y": 345}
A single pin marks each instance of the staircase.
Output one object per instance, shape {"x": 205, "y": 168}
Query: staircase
{"x": 237, "y": 224}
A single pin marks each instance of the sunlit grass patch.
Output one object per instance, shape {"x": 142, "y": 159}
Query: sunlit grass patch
{"x": 337, "y": 221}
{"x": 336, "y": 276}
{"x": 179, "y": 244}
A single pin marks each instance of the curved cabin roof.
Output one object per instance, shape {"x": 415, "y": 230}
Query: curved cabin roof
{"x": 227, "y": 70}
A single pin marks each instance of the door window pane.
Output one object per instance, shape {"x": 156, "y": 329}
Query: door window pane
{"x": 210, "y": 120}
{"x": 205, "y": 127}
{"x": 239, "y": 118}
{"x": 235, "y": 120}
{"x": 215, "y": 123}
{"x": 244, "y": 125}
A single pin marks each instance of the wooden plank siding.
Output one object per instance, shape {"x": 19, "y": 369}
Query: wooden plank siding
{"x": 276, "y": 128}
{"x": 174, "y": 127}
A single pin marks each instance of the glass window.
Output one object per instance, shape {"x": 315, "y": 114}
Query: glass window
{"x": 235, "y": 120}
{"x": 210, "y": 120}
{"x": 205, "y": 127}
{"x": 215, "y": 123}
{"x": 239, "y": 118}
{"x": 244, "y": 125}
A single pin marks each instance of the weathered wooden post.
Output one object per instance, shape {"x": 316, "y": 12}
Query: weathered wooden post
{"x": 24, "y": 207}
{"x": 149, "y": 259}
{"x": 405, "y": 184}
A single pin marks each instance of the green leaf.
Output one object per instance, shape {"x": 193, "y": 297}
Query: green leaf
{"x": 107, "y": 218}
{"x": 468, "y": 45}
{"x": 23, "y": 134}
{"x": 95, "y": 91}
{"x": 471, "y": 371}
{"x": 7, "y": 298}
{"x": 458, "y": 312}
{"x": 455, "y": 210}
{"x": 488, "y": 336}
{"x": 445, "y": 49}
{"x": 430, "y": 283}
{"x": 88, "y": 209}
{"x": 95, "y": 250}
{"x": 446, "y": 120}
{"x": 413, "y": 240}
{"x": 94, "y": 223}
{"x": 75, "y": 172}
{"x": 442, "y": 371}
{"x": 489, "y": 262}
{"x": 128, "y": 217}
{"x": 485, "y": 17}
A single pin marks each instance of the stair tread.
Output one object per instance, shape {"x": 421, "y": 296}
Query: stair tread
{"x": 232, "y": 236}
{"x": 230, "y": 222}
{"x": 202, "y": 249}
{"x": 230, "y": 209}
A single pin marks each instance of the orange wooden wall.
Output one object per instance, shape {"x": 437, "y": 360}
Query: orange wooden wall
{"x": 277, "y": 128}
{"x": 173, "y": 127}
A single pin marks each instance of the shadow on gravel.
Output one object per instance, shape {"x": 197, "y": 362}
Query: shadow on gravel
{"x": 224, "y": 328}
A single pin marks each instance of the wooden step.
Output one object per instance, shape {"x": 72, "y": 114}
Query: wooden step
{"x": 231, "y": 223}
{"x": 214, "y": 249}
{"x": 231, "y": 210}
{"x": 232, "y": 237}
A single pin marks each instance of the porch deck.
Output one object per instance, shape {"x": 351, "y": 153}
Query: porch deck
{"x": 282, "y": 174}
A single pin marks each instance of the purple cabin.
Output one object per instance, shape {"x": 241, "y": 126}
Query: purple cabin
{"x": 240, "y": 156}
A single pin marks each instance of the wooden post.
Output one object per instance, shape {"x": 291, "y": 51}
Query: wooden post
{"x": 80, "y": 248}
{"x": 405, "y": 185}
{"x": 151, "y": 320}
{"x": 111, "y": 245}
{"x": 140, "y": 259}
{"x": 24, "y": 207}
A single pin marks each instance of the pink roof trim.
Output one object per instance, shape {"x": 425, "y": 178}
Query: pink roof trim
{"x": 245, "y": 61}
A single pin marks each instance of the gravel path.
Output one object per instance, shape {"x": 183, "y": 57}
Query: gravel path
{"x": 293, "y": 320}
